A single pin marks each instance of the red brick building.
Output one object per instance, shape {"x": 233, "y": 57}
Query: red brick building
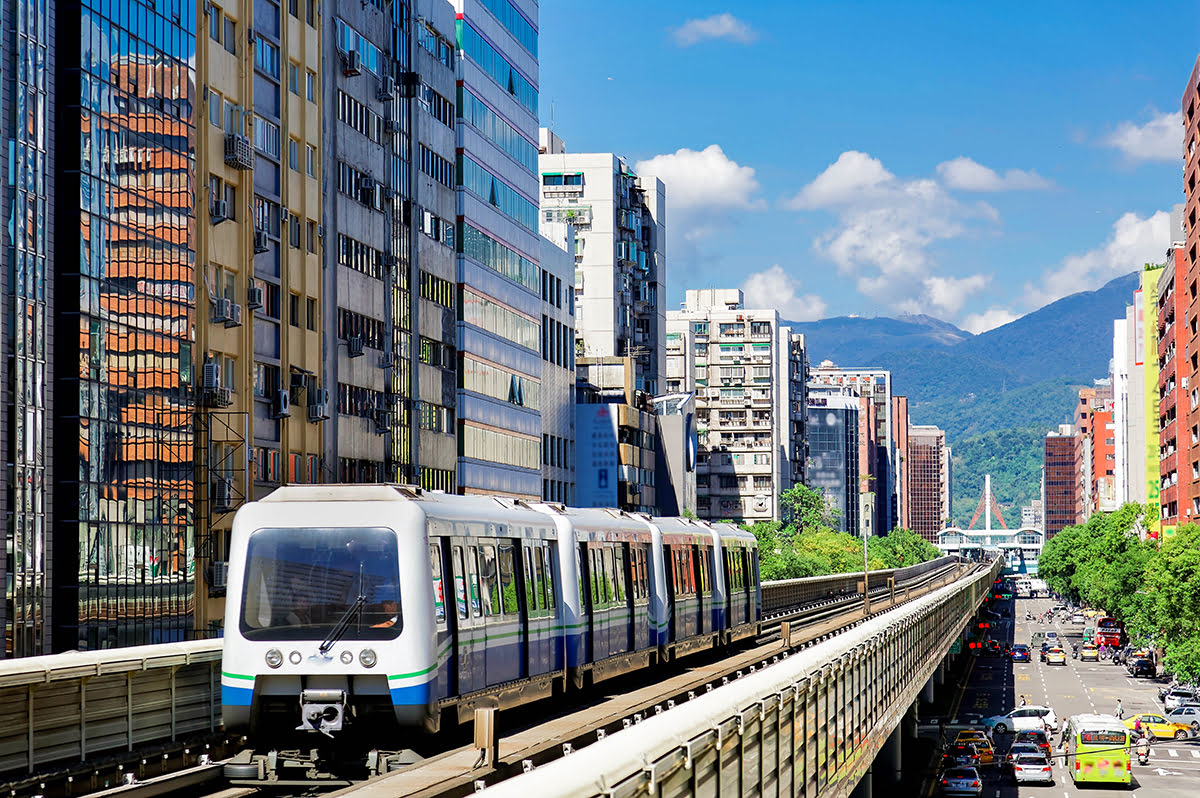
{"x": 1060, "y": 484}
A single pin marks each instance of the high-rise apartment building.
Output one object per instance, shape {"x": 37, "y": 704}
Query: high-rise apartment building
{"x": 499, "y": 282}
{"x": 901, "y": 429}
{"x": 876, "y": 437}
{"x": 929, "y": 481}
{"x": 1129, "y": 386}
{"x": 1189, "y": 457}
{"x": 1146, "y": 319}
{"x": 1060, "y": 485}
{"x": 621, "y": 268}
{"x": 1171, "y": 311}
{"x": 743, "y": 367}
{"x": 258, "y": 255}
{"x": 1103, "y": 497}
{"x": 833, "y": 463}
{"x": 557, "y": 399}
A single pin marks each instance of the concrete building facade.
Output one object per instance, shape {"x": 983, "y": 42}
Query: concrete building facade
{"x": 557, "y": 261}
{"x": 744, "y": 368}
{"x": 1188, "y": 495}
{"x": 499, "y": 282}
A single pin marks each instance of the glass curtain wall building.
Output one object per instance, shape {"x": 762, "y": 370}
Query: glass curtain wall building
{"x": 124, "y": 320}
{"x": 499, "y": 281}
{"x": 26, "y": 380}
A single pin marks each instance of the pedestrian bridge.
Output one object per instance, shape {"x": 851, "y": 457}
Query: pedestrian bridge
{"x": 811, "y": 725}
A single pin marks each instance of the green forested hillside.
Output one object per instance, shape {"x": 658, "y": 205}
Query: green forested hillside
{"x": 1014, "y": 459}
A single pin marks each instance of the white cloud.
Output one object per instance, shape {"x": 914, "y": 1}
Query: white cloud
{"x": 704, "y": 178}
{"x": 848, "y": 179}
{"x": 775, "y": 288}
{"x": 886, "y": 227}
{"x": 949, "y": 294}
{"x": 1160, "y": 139}
{"x": 718, "y": 26}
{"x": 1134, "y": 241}
{"x": 964, "y": 174}
{"x": 989, "y": 319}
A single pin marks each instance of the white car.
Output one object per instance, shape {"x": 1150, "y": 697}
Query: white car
{"x": 1023, "y": 719}
{"x": 1177, "y": 696}
{"x": 1189, "y": 715}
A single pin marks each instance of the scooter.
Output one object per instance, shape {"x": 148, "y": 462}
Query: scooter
{"x": 1143, "y": 752}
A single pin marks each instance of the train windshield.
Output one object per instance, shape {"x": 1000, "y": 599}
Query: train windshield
{"x": 300, "y": 581}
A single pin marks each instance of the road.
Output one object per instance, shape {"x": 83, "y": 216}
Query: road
{"x": 996, "y": 685}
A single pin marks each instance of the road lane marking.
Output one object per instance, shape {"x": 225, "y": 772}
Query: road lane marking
{"x": 1172, "y": 752}
{"x": 1195, "y": 754}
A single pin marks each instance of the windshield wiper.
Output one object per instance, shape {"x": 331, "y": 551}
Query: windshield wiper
{"x": 339, "y": 628}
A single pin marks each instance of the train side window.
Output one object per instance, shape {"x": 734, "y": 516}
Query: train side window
{"x": 473, "y": 580}
{"x": 597, "y": 575}
{"x": 509, "y": 600}
{"x": 487, "y": 580}
{"x": 546, "y": 572}
{"x": 610, "y": 576}
{"x": 460, "y": 581}
{"x": 580, "y": 559}
{"x": 619, "y": 571}
{"x": 690, "y": 569}
{"x": 533, "y": 593}
{"x": 643, "y": 558}
{"x": 439, "y": 596}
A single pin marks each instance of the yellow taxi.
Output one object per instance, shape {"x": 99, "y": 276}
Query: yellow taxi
{"x": 1056, "y": 656}
{"x": 1089, "y": 653}
{"x": 1158, "y": 727}
{"x": 983, "y": 746}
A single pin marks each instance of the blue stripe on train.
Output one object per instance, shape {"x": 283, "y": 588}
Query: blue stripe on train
{"x": 236, "y": 696}
{"x": 412, "y": 695}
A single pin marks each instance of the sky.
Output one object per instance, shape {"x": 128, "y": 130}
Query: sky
{"x": 969, "y": 161}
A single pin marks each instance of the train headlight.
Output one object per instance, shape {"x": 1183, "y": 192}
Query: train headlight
{"x": 295, "y": 658}
{"x": 367, "y": 657}
{"x": 347, "y": 658}
{"x": 274, "y": 658}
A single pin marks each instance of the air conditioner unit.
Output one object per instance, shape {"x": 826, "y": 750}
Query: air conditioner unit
{"x": 281, "y": 405}
{"x": 220, "y": 309}
{"x": 261, "y": 242}
{"x": 383, "y": 421}
{"x": 254, "y": 296}
{"x": 299, "y": 382}
{"x": 367, "y": 183}
{"x": 387, "y": 88}
{"x": 318, "y": 404}
{"x": 317, "y": 412}
{"x": 238, "y": 152}
{"x": 354, "y": 346}
{"x": 351, "y": 64}
{"x": 1183, "y": 382}
{"x": 211, "y": 377}
{"x": 390, "y": 126}
{"x": 218, "y": 211}
{"x": 284, "y": 215}
{"x": 235, "y": 315}
{"x": 221, "y": 489}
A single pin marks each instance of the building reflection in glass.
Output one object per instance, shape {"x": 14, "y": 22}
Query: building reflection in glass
{"x": 123, "y": 527}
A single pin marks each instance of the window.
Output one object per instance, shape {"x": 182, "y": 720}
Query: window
{"x": 216, "y": 108}
{"x": 312, "y": 236}
{"x": 294, "y": 154}
{"x": 294, "y": 230}
{"x": 294, "y": 309}
{"x": 266, "y": 136}
{"x": 230, "y": 35}
{"x": 214, "y": 24}
{"x": 294, "y": 78}
{"x": 310, "y": 85}
{"x": 294, "y": 8}
{"x": 310, "y": 164}
{"x": 266, "y": 56}
{"x": 311, "y": 308}
{"x": 233, "y": 118}
{"x": 312, "y": 13}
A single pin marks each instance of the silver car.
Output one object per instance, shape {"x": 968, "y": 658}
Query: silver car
{"x": 1032, "y": 767}
{"x": 962, "y": 781}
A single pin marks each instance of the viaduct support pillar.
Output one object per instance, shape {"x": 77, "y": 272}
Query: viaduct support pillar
{"x": 887, "y": 766}
{"x": 864, "y": 788}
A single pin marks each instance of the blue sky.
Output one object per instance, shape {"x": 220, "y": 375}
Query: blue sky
{"x": 964, "y": 160}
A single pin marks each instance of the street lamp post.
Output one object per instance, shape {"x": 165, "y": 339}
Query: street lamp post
{"x": 866, "y": 578}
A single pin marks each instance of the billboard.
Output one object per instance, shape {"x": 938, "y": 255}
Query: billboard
{"x": 596, "y": 455}
{"x": 1147, "y": 352}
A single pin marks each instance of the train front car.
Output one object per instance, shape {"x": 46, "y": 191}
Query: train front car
{"x": 329, "y": 621}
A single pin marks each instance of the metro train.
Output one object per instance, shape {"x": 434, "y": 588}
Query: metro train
{"x": 356, "y": 608}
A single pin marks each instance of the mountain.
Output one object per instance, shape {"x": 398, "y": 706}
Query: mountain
{"x": 997, "y": 393}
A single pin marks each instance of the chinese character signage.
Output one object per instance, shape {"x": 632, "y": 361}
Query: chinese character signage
{"x": 596, "y": 455}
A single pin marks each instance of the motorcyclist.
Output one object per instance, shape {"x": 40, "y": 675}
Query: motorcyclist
{"x": 1143, "y": 749}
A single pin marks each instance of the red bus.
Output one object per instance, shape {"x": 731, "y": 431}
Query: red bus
{"x": 1109, "y": 632}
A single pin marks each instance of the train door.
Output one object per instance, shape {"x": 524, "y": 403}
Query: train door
{"x": 601, "y": 587}
{"x": 623, "y": 588}
{"x": 639, "y": 588}
{"x": 535, "y": 608}
{"x": 469, "y": 635}
{"x": 505, "y": 649}
{"x": 583, "y": 567}
{"x": 443, "y": 619}
{"x": 670, "y": 565}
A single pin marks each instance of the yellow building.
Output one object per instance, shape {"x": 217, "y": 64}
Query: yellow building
{"x": 260, "y": 406}
{"x": 1149, "y": 356}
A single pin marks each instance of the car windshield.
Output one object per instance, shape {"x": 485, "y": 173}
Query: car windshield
{"x": 300, "y": 582}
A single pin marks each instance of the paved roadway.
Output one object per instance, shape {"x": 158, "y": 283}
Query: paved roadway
{"x": 996, "y": 684}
